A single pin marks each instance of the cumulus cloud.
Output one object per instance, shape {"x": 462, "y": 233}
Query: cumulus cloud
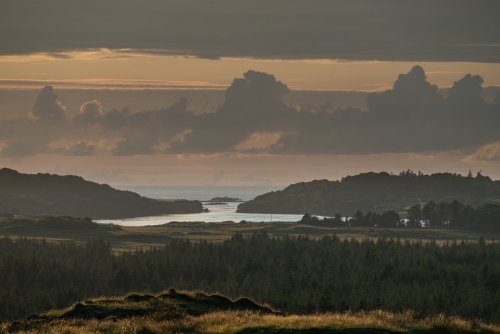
{"x": 252, "y": 104}
{"x": 412, "y": 95}
{"x": 91, "y": 109}
{"x": 32, "y": 135}
{"x": 424, "y": 30}
{"x": 412, "y": 116}
{"x": 254, "y": 88}
{"x": 466, "y": 95}
{"x": 47, "y": 107}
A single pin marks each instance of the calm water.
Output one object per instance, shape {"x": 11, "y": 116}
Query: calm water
{"x": 218, "y": 213}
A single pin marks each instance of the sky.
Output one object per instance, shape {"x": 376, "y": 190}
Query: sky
{"x": 240, "y": 92}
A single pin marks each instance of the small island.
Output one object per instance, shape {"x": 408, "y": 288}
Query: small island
{"x": 223, "y": 200}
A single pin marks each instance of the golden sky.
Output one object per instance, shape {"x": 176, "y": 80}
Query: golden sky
{"x": 110, "y": 69}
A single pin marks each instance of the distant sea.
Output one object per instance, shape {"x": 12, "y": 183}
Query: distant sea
{"x": 200, "y": 193}
{"x": 217, "y": 213}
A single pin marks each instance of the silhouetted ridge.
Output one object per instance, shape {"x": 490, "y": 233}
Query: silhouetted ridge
{"x": 74, "y": 196}
{"x": 374, "y": 192}
{"x": 170, "y": 305}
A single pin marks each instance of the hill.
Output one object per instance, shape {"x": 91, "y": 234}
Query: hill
{"x": 46, "y": 224}
{"x": 374, "y": 192}
{"x": 174, "y": 312}
{"x": 30, "y": 194}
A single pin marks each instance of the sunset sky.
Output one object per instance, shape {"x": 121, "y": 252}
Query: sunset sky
{"x": 239, "y": 92}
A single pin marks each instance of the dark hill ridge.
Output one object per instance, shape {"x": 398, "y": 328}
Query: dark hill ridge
{"x": 170, "y": 302}
{"x": 174, "y": 312}
{"x": 374, "y": 192}
{"x": 74, "y": 196}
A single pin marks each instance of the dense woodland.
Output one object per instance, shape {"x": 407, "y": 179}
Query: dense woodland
{"x": 291, "y": 274}
{"x": 376, "y": 192}
{"x": 454, "y": 215}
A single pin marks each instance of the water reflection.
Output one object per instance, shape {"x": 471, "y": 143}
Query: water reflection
{"x": 217, "y": 213}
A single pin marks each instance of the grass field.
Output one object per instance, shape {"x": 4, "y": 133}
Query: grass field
{"x": 129, "y": 237}
{"x": 187, "y": 312}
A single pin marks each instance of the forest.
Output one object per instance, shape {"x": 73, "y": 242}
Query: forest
{"x": 291, "y": 274}
{"x": 454, "y": 215}
{"x": 376, "y": 192}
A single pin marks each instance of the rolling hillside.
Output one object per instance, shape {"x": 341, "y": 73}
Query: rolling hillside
{"x": 374, "y": 192}
{"x": 50, "y": 194}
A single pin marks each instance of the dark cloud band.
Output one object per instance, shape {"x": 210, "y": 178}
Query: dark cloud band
{"x": 423, "y": 30}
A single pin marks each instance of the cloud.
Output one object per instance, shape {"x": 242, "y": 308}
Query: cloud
{"x": 466, "y": 95}
{"x": 259, "y": 141}
{"x": 109, "y": 84}
{"x": 488, "y": 152}
{"x": 31, "y": 135}
{"x": 252, "y": 104}
{"x": 254, "y": 88}
{"x": 47, "y": 107}
{"x": 81, "y": 148}
{"x": 411, "y": 95}
{"x": 425, "y": 30}
{"x": 148, "y": 132}
{"x": 90, "y": 112}
{"x": 21, "y": 148}
{"x": 411, "y": 117}
{"x": 92, "y": 108}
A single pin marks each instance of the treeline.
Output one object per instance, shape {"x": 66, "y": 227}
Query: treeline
{"x": 485, "y": 218}
{"x": 375, "y": 192}
{"x": 370, "y": 219}
{"x": 292, "y": 274}
{"x": 456, "y": 215}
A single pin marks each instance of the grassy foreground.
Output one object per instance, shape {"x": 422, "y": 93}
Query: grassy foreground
{"x": 174, "y": 312}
